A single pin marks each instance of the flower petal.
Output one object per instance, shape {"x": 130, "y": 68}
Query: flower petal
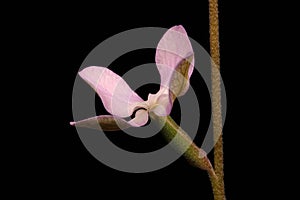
{"x": 141, "y": 118}
{"x": 173, "y": 47}
{"x": 117, "y": 97}
{"x": 179, "y": 82}
{"x": 113, "y": 123}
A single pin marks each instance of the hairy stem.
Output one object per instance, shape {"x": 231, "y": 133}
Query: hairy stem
{"x": 218, "y": 191}
{"x": 216, "y": 93}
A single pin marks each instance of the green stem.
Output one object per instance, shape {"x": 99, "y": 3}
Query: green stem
{"x": 194, "y": 155}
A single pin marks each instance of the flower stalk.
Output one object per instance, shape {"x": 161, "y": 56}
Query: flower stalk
{"x": 193, "y": 154}
{"x": 183, "y": 143}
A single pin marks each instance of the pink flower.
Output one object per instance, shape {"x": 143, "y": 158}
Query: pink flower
{"x": 175, "y": 62}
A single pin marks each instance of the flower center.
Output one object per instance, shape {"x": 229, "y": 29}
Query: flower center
{"x": 158, "y": 103}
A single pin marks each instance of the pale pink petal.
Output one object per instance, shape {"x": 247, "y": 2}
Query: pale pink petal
{"x": 173, "y": 47}
{"x": 117, "y": 97}
{"x": 141, "y": 118}
{"x": 113, "y": 123}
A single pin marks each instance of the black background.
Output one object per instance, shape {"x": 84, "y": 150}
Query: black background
{"x": 45, "y": 43}
{"x": 62, "y": 37}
